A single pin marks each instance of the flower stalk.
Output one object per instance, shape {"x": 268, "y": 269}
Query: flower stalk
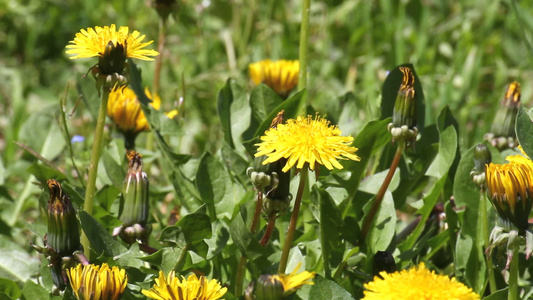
{"x": 93, "y": 165}
{"x": 381, "y": 193}
{"x": 292, "y": 225}
{"x": 513, "y": 275}
{"x": 304, "y": 44}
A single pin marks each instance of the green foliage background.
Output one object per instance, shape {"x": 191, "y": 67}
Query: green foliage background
{"x": 464, "y": 53}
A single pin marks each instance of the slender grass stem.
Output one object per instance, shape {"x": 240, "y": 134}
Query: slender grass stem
{"x": 294, "y": 219}
{"x": 159, "y": 58}
{"x": 93, "y": 165}
{"x": 485, "y": 231}
{"x": 304, "y": 44}
{"x": 381, "y": 193}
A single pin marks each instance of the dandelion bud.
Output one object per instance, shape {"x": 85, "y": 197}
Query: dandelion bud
{"x": 403, "y": 126}
{"x": 510, "y": 188}
{"x": 165, "y": 7}
{"x": 482, "y": 157}
{"x": 383, "y": 261}
{"x": 114, "y": 58}
{"x": 502, "y": 134}
{"x": 281, "y": 76}
{"x": 63, "y": 233}
{"x": 269, "y": 287}
{"x": 134, "y": 213}
{"x": 278, "y": 194}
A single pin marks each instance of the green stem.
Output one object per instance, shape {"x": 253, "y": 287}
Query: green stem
{"x": 513, "y": 276}
{"x": 381, "y": 193}
{"x": 63, "y": 106}
{"x": 241, "y": 269}
{"x": 304, "y": 41}
{"x": 93, "y": 165}
{"x": 293, "y": 221}
{"x": 271, "y": 224}
{"x": 485, "y": 231}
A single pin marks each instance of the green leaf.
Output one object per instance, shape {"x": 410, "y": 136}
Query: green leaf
{"x": 498, "y": 295}
{"x": 263, "y": 101}
{"x": 192, "y": 229}
{"x": 524, "y": 129}
{"x": 236, "y": 164}
{"x": 43, "y": 172}
{"x": 33, "y": 291}
{"x": 327, "y": 289}
{"x": 248, "y": 244}
{"x": 447, "y": 149}
{"x": 10, "y": 288}
{"x": 214, "y": 185}
{"x": 15, "y": 262}
{"x": 331, "y": 225}
{"x": 113, "y": 169}
{"x": 382, "y": 232}
{"x": 101, "y": 240}
{"x": 233, "y": 111}
{"x": 370, "y": 140}
{"x": 389, "y": 93}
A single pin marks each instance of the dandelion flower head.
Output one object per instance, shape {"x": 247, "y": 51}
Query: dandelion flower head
{"x": 306, "y": 140}
{"x": 92, "y": 42}
{"x": 171, "y": 287}
{"x": 281, "y": 75}
{"x": 417, "y": 283}
{"x": 97, "y": 282}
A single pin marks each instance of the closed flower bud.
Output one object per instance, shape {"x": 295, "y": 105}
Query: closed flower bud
{"x": 134, "y": 213}
{"x": 113, "y": 59}
{"x": 383, "y": 261}
{"x": 63, "y": 232}
{"x": 502, "y": 134}
{"x": 403, "y": 126}
{"x": 510, "y": 189}
{"x": 269, "y": 287}
{"x": 165, "y": 7}
{"x": 278, "y": 196}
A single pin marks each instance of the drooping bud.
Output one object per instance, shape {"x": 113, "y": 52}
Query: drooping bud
{"x": 269, "y": 287}
{"x": 482, "y": 157}
{"x": 134, "y": 214}
{"x": 502, "y": 134}
{"x": 404, "y": 126}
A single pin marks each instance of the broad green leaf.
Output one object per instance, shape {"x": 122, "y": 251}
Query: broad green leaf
{"x": 263, "y": 100}
{"x": 10, "y": 288}
{"x": 248, "y": 243}
{"x": 447, "y": 149}
{"x": 384, "y": 227}
{"x": 236, "y": 164}
{"x": 215, "y": 186}
{"x": 101, "y": 240}
{"x": 33, "y": 291}
{"x": 43, "y": 172}
{"x": 233, "y": 111}
{"x": 331, "y": 225}
{"x": 327, "y": 289}
{"x": 524, "y": 129}
{"x": 185, "y": 190}
{"x": 389, "y": 93}
{"x": 113, "y": 168}
{"x": 498, "y": 295}
{"x": 16, "y": 263}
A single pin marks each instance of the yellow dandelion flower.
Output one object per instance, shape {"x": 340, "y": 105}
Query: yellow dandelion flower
{"x": 291, "y": 282}
{"x": 97, "y": 282}
{"x": 281, "y": 75}
{"x": 125, "y": 110}
{"x": 172, "y": 287}
{"x": 510, "y": 187}
{"x": 417, "y": 283}
{"x": 93, "y": 43}
{"x": 306, "y": 140}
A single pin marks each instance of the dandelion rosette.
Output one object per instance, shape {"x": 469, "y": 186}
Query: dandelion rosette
{"x": 306, "y": 140}
{"x": 417, "y": 283}
{"x": 97, "y": 282}
{"x": 281, "y": 75}
{"x": 171, "y": 287}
